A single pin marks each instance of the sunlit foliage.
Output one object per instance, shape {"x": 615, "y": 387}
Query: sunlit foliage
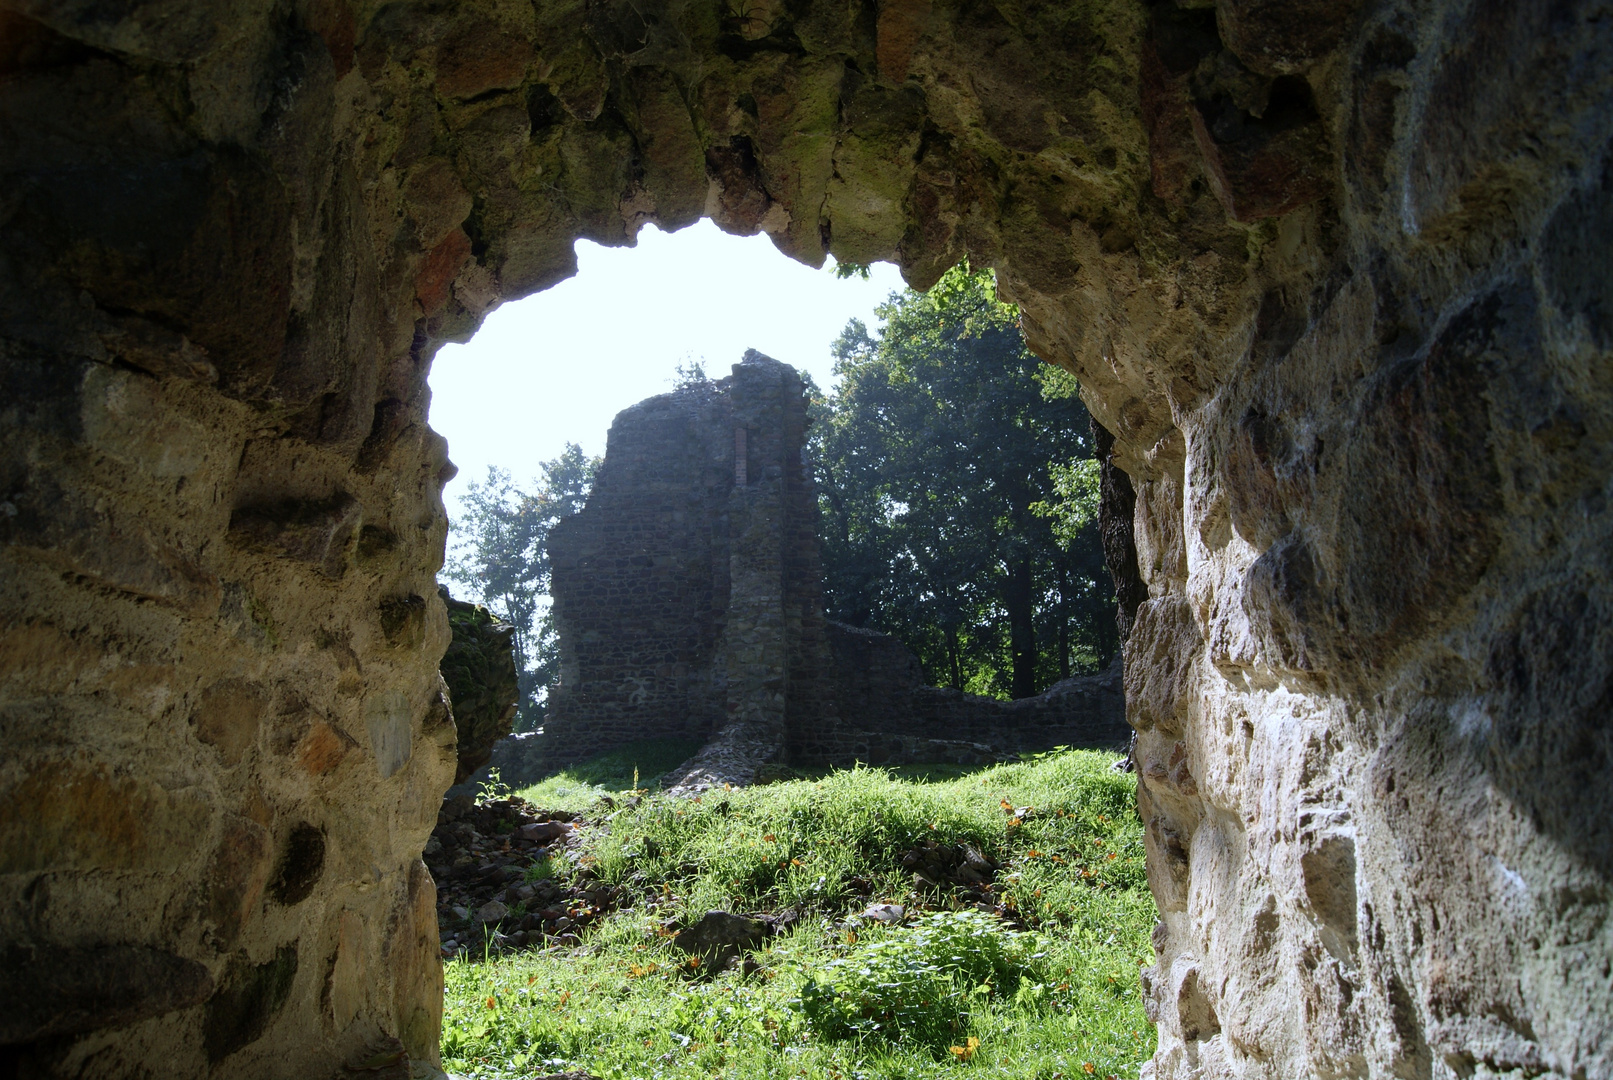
{"x": 1056, "y": 999}
{"x": 499, "y": 553}
{"x": 953, "y": 470}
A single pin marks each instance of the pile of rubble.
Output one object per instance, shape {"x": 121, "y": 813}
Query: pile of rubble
{"x": 954, "y": 873}
{"x": 495, "y": 887}
{"x": 935, "y": 866}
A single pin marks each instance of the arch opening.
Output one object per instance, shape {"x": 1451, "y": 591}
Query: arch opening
{"x": 1329, "y": 272}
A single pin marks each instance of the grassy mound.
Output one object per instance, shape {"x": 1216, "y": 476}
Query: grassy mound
{"x": 1025, "y": 966}
{"x": 580, "y": 786}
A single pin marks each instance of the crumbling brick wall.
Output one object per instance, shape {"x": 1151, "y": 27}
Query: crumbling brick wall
{"x": 677, "y": 590}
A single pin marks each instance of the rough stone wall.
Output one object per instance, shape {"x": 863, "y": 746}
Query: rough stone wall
{"x": 224, "y": 731}
{"x": 640, "y": 573}
{"x": 1333, "y": 272}
{"x": 483, "y": 685}
{"x": 671, "y": 590}
{"x": 1371, "y": 677}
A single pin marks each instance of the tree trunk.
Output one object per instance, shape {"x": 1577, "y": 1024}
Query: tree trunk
{"x": 1064, "y": 625}
{"x": 954, "y": 662}
{"x": 1020, "y": 601}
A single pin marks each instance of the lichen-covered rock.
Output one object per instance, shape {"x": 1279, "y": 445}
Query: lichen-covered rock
{"x": 479, "y": 668}
{"x": 719, "y": 936}
{"x": 1333, "y": 274}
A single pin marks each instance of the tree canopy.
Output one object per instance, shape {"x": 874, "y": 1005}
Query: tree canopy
{"x": 958, "y": 494}
{"x": 500, "y": 552}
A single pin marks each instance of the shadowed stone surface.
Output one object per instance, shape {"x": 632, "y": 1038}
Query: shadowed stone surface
{"x": 1334, "y": 275}
{"x": 889, "y": 716}
{"x": 686, "y": 593}
{"x": 82, "y": 990}
{"x": 718, "y": 936}
{"x": 479, "y": 669}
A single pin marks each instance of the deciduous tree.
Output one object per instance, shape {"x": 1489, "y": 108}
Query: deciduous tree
{"x": 952, "y": 477}
{"x": 499, "y": 551}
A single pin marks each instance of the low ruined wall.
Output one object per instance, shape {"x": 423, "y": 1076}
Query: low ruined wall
{"x": 887, "y": 715}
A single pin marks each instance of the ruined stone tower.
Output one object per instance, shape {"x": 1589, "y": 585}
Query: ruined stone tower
{"x": 687, "y": 591}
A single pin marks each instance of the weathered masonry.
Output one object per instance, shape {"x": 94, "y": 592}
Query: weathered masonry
{"x": 1334, "y": 274}
{"x": 688, "y": 603}
{"x": 480, "y": 672}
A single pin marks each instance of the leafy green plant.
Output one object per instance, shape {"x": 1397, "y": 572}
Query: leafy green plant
{"x": 955, "y": 502}
{"x": 498, "y": 548}
{"x": 493, "y": 787}
{"x": 916, "y": 983}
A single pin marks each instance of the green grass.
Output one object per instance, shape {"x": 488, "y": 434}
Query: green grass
{"x": 626, "y": 1005}
{"x": 581, "y": 785}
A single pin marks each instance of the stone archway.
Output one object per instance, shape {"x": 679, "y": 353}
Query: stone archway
{"x": 1333, "y": 273}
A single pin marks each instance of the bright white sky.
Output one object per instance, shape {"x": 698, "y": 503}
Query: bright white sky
{"x": 557, "y": 367}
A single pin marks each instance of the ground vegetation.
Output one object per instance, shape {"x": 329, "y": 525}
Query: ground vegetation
{"x": 866, "y": 923}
